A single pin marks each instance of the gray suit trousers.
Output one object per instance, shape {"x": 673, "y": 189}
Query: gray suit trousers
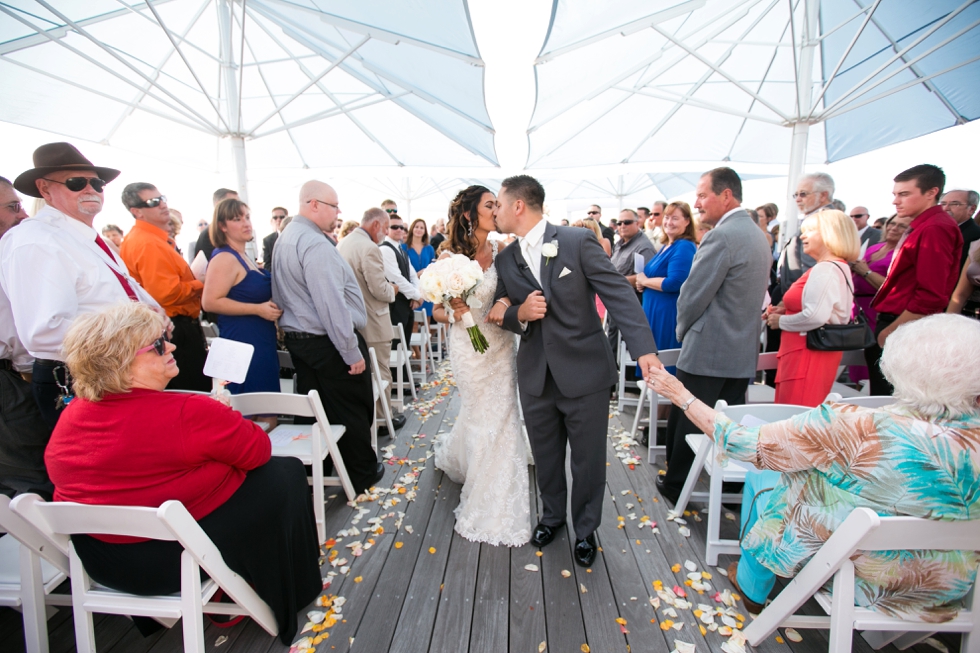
{"x": 553, "y": 420}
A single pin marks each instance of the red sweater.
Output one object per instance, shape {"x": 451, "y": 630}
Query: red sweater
{"x": 145, "y": 447}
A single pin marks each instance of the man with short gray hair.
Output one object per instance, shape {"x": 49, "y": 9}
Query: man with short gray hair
{"x": 322, "y": 314}
{"x": 814, "y": 192}
{"x": 961, "y": 205}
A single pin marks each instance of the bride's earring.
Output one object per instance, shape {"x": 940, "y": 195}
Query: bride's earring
{"x": 470, "y": 228}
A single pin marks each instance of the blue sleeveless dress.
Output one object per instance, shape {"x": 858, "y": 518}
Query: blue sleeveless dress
{"x": 255, "y": 288}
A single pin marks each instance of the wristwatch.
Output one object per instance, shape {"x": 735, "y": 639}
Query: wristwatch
{"x": 687, "y": 404}
{"x": 865, "y": 275}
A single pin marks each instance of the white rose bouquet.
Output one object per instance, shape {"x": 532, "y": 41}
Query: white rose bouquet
{"x": 455, "y": 276}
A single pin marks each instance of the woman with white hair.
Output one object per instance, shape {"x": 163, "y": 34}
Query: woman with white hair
{"x": 823, "y": 295}
{"x": 919, "y": 457}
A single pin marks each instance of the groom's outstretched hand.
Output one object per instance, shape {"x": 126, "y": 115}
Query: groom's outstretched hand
{"x": 534, "y": 307}
{"x": 648, "y": 362}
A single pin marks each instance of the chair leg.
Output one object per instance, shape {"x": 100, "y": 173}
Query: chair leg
{"x": 411, "y": 379}
{"x": 191, "y": 605}
{"x": 841, "y": 634}
{"x": 692, "y": 477}
{"x": 387, "y": 413}
{"x": 639, "y": 411}
{"x": 714, "y": 518}
{"x": 80, "y": 585}
{"x": 32, "y": 598}
{"x": 341, "y": 470}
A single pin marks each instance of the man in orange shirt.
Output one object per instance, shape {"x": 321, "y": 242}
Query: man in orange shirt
{"x": 152, "y": 259}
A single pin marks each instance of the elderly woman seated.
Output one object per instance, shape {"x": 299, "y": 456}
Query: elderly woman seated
{"x": 918, "y": 457}
{"x": 123, "y": 441}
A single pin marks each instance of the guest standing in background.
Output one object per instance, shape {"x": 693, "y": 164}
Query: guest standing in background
{"x": 966, "y": 296}
{"x": 113, "y": 236}
{"x": 240, "y": 293}
{"x": 822, "y": 295}
{"x": 663, "y": 276}
{"x": 277, "y": 220}
{"x": 419, "y": 252}
{"x": 589, "y": 223}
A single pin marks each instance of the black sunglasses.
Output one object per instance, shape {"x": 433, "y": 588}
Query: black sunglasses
{"x": 159, "y": 346}
{"x": 593, "y": 213}
{"x": 861, "y": 215}
{"x": 152, "y": 203}
{"x": 396, "y": 227}
{"x": 626, "y": 222}
{"x": 76, "y": 184}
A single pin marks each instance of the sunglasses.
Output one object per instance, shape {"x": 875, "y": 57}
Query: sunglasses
{"x": 278, "y": 217}
{"x": 860, "y": 215}
{"x": 391, "y": 210}
{"x": 159, "y": 346}
{"x": 623, "y": 223}
{"x": 14, "y": 207}
{"x": 801, "y": 194}
{"x": 656, "y": 214}
{"x": 76, "y": 184}
{"x": 152, "y": 203}
{"x": 593, "y": 213}
{"x": 398, "y": 227}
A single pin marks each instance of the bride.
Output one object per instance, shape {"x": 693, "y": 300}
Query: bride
{"x": 486, "y": 450}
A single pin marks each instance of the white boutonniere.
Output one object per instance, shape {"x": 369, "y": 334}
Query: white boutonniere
{"x": 549, "y": 251}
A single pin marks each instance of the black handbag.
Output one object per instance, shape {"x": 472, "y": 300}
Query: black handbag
{"x": 854, "y": 335}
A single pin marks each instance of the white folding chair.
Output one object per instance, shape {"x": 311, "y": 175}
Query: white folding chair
{"x": 731, "y": 472}
{"x": 210, "y": 330}
{"x": 625, "y": 361}
{"x": 669, "y": 358}
{"x": 170, "y": 522}
{"x": 397, "y": 360}
{"x": 760, "y": 393}
{"x": 379, "y": 386}
{"x": 423, "y": 340}
{"x": 311, "y": 450}
{"x": 441, "y": 335}
{"x": 863, "y": 530}
{"x": 30, "y": 569}
{"x": 286, "y": 361}
{"x": 872, "y": 401}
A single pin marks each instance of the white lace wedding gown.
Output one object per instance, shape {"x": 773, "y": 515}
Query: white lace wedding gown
{"x": 486, "y": 450}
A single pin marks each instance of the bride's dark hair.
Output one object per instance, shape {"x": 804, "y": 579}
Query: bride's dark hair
{"x": 463, "y": 218}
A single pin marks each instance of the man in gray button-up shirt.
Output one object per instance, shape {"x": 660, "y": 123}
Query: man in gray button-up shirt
{"x": 322, "y": 309}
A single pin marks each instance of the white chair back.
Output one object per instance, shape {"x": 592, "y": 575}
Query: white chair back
{"x": 765, "y": 412}
{"x": 874, "y": 401}
{"x": 625, "y": 361}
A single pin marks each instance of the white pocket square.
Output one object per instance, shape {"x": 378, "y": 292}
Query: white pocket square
{"x": 564, "y": 272}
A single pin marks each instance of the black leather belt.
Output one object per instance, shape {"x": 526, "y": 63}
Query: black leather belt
{"x": 44, "y": 362}
{"x": 300, "y": 335}
{"x": 6, "y": 364}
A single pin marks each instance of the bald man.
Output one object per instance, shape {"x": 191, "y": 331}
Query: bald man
{"x": 868, "y": 235}
{"x": 322, "y": 314}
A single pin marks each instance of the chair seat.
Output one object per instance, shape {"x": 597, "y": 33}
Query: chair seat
{"x": 301, "y": 448}
{"x": 845, "y": 391}
{"x": 10, "y": 565}
{"x": 760, "y": 394}
{"x": 732, "y": 472}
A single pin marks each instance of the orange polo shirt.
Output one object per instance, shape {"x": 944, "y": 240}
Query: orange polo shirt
{"x": 152, "y": 260}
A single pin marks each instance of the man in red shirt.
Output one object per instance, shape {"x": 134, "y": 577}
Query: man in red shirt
{"x": 925, "y": 268}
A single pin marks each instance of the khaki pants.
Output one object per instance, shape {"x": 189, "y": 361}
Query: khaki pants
{"x": 381, "y": 350}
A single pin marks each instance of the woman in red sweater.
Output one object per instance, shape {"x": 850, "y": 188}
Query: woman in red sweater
{"x": 123, "y": 441}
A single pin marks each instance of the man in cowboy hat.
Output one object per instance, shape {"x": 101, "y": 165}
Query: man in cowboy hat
{"x": 55, "y": 266}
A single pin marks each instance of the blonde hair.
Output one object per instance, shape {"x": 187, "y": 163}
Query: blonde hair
{"x": 837, "y": 231}
{"x": 348, "y": 226}
{"x": 589, "y": 223}
{"x": 100, "y": 348}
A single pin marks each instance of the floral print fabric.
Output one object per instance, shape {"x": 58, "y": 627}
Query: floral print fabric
{"x": 838, "y": 457}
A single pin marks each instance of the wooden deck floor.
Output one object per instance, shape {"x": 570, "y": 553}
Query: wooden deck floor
{"x": 421, "y": 587}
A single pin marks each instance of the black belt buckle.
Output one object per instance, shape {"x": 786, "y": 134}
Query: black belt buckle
{"x": 299, "y": 335}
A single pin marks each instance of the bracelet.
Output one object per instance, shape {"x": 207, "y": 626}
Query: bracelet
{"x": 866, "y": 274}
{"x": 502, "y": 301}
{"x": 687, "y": 404}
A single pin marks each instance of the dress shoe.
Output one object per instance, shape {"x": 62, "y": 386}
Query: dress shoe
{"x": 669, "y": 495}
{"x": 585, "y": 551}
{"x": 397, "y": 421}
{"x": 750, "y": 605}
{"x": 543, "y": 535}
{"x": 644, "y": 437}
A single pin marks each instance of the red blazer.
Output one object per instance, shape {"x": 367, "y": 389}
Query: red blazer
{"x": 144, "y": 447}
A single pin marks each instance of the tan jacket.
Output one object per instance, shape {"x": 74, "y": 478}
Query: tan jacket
{"x": 364, "y": 257}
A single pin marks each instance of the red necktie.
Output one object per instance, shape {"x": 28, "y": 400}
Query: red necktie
{"x": 122, "y": 280}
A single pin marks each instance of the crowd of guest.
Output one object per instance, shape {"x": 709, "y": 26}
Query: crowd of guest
{"x": 94, "y": 328}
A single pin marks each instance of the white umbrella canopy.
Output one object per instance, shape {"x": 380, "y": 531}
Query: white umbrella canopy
{"x": 292, "y": 83}
{"x": 757, "y": 81}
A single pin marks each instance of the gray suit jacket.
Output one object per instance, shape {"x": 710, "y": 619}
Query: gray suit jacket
{"x": 719, "y": 311}
{"x": 569, "y": 340}
{"x": 364, "y": 257}
{"x": 871, "y": 236}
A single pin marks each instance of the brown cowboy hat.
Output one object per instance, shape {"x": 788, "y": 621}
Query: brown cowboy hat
{"x": 52, "y": 158}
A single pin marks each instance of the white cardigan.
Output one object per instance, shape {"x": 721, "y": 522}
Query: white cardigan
{"x": 827, "y": 298}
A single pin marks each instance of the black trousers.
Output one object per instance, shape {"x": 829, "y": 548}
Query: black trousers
{"x": 264, "y": 531}
{"x": 24, "y": 434}
{"x": 45, "y": 378}
{"x": 708, "y": 389}
{"x": 347, "y": 399}
{"x": 552, "y": 421}
{"x": 879, "y": 385}
{"x": 190, "y": 355}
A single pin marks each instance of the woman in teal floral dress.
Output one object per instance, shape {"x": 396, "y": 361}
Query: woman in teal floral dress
{"x": 919, "y": 457}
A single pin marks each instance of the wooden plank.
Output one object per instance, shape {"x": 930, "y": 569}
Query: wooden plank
{"x": 418, "y": 609}
{"x": 492, "y": 601}
{"x": 563, "y": 610}
{"x": 455, "y": 610}
{"x": 527, "y": 613}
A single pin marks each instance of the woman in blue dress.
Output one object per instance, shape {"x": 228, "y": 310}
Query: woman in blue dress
{"x": 420, "y": 252}
{"x": 663, "y": 276}
{"x": 240, "y": 293}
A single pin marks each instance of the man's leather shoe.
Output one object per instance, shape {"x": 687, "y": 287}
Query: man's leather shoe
{"x": 379, "y": 473}
{"x": 397, "y": 421}
{"x": 543, "y": 534}
{"x": 585, "y": 551}
{"x": 669, "y": 495}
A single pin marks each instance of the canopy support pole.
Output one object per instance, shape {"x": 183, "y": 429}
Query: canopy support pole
{"x": 797, "y": 157}
{"x": 229, "y": 69}
{"x": 241, "y": 168}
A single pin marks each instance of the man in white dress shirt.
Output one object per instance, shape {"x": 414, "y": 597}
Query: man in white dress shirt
{"x": 55, "y": 266}
{"x": 399, "y": 271}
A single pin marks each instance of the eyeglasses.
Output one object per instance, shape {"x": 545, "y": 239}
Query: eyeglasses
{"x": 391, "y": 211}
{"x": 14, "y": 207}
{"x": 953, "y": 204}
{"x": 335, "y": 206}
{"x": 656, "y": 214}
{"x": 860, "y": 215}
{"x": 152, "y": 203}
{"x": 398, "y": 227}
{"x": 278, "y": 217}
{"x": 594, "y": 213}
{"x": 801, "y": 194}
{"x": 76, "y": 184}
{"x": 624, "y": 223}
{"x": 159, "y": 346}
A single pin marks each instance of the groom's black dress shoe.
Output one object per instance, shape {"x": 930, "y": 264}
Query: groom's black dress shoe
{"x": 669, "y": 495}
{"x": 543, "y": 534}
{"x": 585, "y": 551}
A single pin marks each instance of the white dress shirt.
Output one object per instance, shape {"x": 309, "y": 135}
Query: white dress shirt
{"x": 531, "y": 244}
{"x": 408, "y": 287}
{"x": 11, "y": 347}
{"x": 52, "y": 270}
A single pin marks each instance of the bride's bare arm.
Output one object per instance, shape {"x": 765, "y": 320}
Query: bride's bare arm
{"x": 496, "y": 314}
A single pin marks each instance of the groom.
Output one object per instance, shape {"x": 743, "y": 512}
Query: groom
{"x": 565, "y": 365}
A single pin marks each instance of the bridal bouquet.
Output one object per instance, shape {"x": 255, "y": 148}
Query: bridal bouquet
{"x": 452, "y": 277}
